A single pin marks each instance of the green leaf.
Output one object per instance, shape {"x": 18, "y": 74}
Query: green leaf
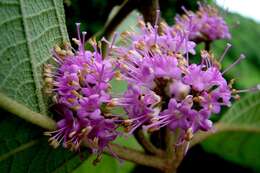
{"x": 28, "y": 31}
{"x": 23, "y": 151}
{"x": 241, "y": 144}
{"x": 107, "y": 163}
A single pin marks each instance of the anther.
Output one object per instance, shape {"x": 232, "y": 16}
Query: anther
{"x": 72, "y": 134}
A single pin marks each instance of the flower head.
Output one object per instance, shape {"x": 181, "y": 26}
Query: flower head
{"x": 81, "y": 86}
{"x": 204, "y": 25}
{"x": 139, "y": 104}
{"x": 148, "y": 41}
{"x": 188, "y": 94}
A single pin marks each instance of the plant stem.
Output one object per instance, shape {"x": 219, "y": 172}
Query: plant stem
{"x": 169, "y": 164}
{"x": 126, "y": 8}
{"x": 136, "y": 156}
{"x": 22, "y": 111}
{"x": 169, "y": 141}
{"x": 207, "y": 45}
{"x": 146, "y": 144}
{"x": 148, "y": 9}
{"x": 174, "y": 154}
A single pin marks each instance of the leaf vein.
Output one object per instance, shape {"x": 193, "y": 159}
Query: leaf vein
{"x": 40, "y": 100}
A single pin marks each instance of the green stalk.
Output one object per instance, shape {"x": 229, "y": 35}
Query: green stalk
{"x": 25, "y": 113}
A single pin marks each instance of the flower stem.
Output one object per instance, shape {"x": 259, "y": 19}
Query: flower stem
{"x": 207, "y": 45}
{"x": 148, "y": 9}
{"x": 24, "y": 112}
{"x": 137, "y": 156}
{"x": 126, "y": 8}
{"x": 168, "y": 164}
{"x": 146, "y": 144}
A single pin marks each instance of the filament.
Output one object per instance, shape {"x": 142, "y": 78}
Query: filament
{"x": 241, "y": 57}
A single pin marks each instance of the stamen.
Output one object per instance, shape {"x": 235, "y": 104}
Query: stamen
{"x": 225, "y": 52}
{"x": 242, "y": 56}
{"x": 186, "y": 48}
{"x": 253, "y": 89}
{"x": 184, "y": 9}
{"x": 112, "y": 43}
{"x": 99, "y": 45}
{"x": 156, "y": 25}
{"x": 78, "y": 31}
{"x": 84, "y": 33}
{"x": 105, "y": 40}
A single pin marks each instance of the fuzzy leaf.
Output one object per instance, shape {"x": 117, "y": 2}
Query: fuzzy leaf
{"x": 28, "y": 31}
{"x": 240, "y": 146}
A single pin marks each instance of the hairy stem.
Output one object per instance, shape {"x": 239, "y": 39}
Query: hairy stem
{"x": 23, "y": 112}
{"x": 146, "y": 144}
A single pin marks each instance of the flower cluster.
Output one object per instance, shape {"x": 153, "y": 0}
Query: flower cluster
{"x": 165, "y": 89}
{"x": 204, "y": 25}
{"x": 81, "y": 85}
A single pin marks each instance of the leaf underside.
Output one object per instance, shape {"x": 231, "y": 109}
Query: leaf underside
{"x": 28, "y": 31}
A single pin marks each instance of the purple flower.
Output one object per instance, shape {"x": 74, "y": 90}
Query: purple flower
{"x": 144, "y": 71}
{"x": 204, "y": 25}
{"x": 201, "y": 78}
{"x": 164, "y": 89}
{"x": 204, "y": 91}
{"x": 139, "y": 104}
{"x": 81, "y": 86}
{"x": 177, "y": 115}
{"x": 156, "y": 64}
{"x": 148, "y": 41}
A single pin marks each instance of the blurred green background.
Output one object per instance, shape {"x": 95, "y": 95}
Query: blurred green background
{"x": 210, "y": 156}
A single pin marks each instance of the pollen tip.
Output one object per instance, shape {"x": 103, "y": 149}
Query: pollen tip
{"x": 77, "y": 24}
{"x": 103, "y": 39}
{"x": 229, "y": 45}
{"x": 258, "y": 87}
{"x": 242, "y": 56}
{"x": 116, "y": 34}
{"x": 84, "y": 32}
